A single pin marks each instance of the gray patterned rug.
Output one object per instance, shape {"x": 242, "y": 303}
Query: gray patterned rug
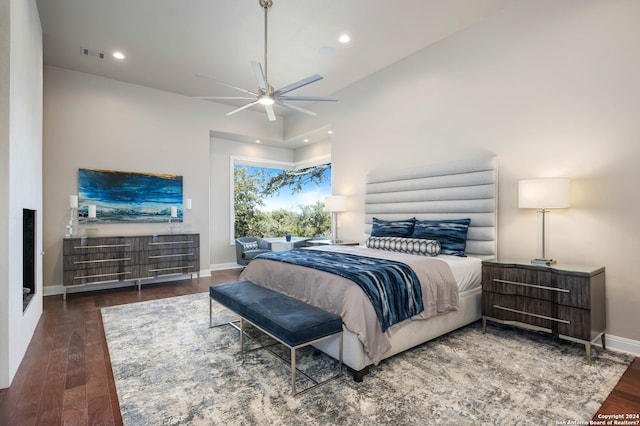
{"x": 171, "y": 369}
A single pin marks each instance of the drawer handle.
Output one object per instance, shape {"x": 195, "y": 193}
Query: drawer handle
{"x": 102, "y": 246}
{"x": 560, "y": 290}
{"x": 171, "y": 269}
{"x": 172, "y": 242}
{"x": 101, "y": 275}
{"x": 81, "y": 262}
{"x": 532, "y": 315}
{"x": 170, "y": 255}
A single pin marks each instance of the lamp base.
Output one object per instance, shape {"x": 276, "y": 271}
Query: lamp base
{"x": 543, "y": 261}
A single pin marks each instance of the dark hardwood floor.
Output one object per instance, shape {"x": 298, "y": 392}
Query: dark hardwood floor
{"x": 65, "y": 377}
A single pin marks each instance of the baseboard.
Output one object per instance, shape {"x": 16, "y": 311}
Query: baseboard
{"x": 222, "y": 266}
{"x": 622, "y": 344}
{"x": 54, "y": 290}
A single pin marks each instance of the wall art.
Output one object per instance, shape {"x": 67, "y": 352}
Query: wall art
{"x": 129, "y": 196}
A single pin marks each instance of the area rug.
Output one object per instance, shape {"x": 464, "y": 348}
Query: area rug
{"x": 170, "y": 368}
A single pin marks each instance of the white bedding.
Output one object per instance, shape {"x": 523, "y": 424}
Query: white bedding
{"x": 466, "y": 270}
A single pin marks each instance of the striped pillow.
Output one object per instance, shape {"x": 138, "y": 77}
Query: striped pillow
{"x": 405, "y": 245}
{"x": 392, "y": 228}
{"x": 452, "y": 234}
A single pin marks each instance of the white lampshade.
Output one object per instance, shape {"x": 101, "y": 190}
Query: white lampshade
{"x": 547, "y": 193}
{"x": 335, "y": 203}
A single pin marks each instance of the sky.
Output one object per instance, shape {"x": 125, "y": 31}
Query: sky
{"x": 285, "y": 200}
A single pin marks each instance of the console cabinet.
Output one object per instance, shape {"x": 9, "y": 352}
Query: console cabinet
{"x": 97, "y": 260}
{"x": 566, "y": 300}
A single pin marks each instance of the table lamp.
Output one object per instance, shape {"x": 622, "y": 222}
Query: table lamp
{"x": 543, "y": 194}
{"x": 335, "y": 204}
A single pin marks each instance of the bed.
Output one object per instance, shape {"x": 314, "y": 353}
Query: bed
{"x": 445, "y": 192}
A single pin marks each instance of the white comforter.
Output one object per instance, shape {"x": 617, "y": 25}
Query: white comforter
{"x": 343, "y": 297}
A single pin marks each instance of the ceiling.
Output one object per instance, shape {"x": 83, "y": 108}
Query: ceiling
{"x": 168, "y": 43}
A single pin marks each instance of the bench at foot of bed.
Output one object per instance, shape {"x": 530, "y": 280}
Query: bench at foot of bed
{"x": 290, "y": 321}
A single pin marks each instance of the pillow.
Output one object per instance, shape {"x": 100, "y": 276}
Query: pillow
{"x": 252, "y": 245}
{"x": 392, "y": 228}
{"x": 452, "y": 234}
{"x": 405, "y": 245}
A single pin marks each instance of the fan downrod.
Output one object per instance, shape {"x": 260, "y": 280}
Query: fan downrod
{"x": 265, "y": 4}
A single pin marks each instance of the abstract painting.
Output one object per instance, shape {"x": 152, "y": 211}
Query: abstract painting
{"x": 129, "y": 196}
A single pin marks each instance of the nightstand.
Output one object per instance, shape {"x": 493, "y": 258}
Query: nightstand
{"x": 316, "y": 243}
{"x": 566, "y": 300}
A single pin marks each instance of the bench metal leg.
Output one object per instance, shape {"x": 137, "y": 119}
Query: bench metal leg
{"x": 293, "y": 371}
{"x": 294, "y": 368}
{"x": 241, "y": 335}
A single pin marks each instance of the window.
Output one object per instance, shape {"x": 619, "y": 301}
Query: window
{"x": 277, "y": 199}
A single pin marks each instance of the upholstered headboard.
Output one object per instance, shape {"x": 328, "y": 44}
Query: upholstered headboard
{"x": 457, "y": 190}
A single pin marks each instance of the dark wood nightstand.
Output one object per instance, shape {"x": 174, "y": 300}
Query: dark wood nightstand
{"x": 566, "y": 300}
{"x": 316, "y": 243}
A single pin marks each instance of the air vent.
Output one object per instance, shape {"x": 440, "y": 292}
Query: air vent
{"x": 92, "y": 52}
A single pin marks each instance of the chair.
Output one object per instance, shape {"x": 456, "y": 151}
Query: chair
{"x": 247, "y": 248}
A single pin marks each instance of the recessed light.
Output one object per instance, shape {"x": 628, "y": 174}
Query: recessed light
{"x": 344, "y": 38}
{"x": 330, "y": 131}
{"x": 118, "y": 55}
{"x": 306, "y": 140}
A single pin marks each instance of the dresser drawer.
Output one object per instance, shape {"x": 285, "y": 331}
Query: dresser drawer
{"x": 565, "y": 320}
{"x": 99, "y": 274}
{"x": 171, "y": 254}
{"x": 170, "y": 242}
{"x": 176, "y": 267}
{"x": 97, "y": 260}
{"x": 98, "y": 245}
{"x": 563, "y": 289}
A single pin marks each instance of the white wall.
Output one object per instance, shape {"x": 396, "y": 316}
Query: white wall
{"x": 20, "y": 173}
{"x": 97, "y": 123}
{"x": 549, "y": 86}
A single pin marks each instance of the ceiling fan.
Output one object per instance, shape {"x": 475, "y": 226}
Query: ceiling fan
{"x": 266, "y": 95}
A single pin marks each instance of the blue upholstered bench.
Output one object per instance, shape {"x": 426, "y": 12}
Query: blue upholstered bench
{"x": 290, "y": 321}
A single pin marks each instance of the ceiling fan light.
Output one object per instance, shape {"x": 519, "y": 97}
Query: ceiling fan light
{"x": 266, "y": 100}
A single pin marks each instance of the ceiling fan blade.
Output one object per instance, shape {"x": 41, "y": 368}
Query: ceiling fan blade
{"x": 308, "y": 98}
{"x": 296, "y": 108}
{"x": 270, "y": 113}
{"x": 250, "y": 104}
{"x": 227, "y": 84}
{"x": 298, "y": 84}
{"x": 225, "y": 97}
{"x": 262, "y": 81}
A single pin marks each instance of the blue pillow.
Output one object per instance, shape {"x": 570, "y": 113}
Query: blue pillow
{"x": 452, "y": 234}
{"x": 392, "y": 228}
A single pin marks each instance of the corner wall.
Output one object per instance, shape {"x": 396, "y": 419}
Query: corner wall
{"x": 20, "y": 174}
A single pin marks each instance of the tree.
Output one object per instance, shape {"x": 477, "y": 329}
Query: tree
{"x": 296, "y": 179}
{"x": 248, "y": 197}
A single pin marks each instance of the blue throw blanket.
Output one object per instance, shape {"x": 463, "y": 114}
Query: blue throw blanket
{"x": 392, "y": 287}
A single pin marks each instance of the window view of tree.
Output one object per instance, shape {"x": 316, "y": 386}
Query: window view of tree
{"x": 272, "y": 202}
